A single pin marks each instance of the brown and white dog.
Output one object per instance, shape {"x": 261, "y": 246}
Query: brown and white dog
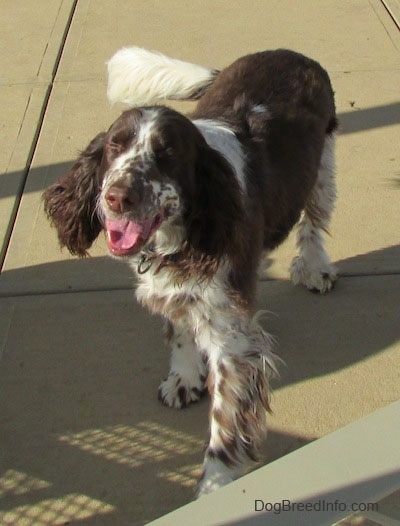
{"x": 193, "y": 202}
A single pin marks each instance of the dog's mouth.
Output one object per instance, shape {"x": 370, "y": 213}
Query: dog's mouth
{"x": 126, "y": 237}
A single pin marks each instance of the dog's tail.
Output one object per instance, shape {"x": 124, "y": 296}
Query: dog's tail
{"x": 139, "y": 77}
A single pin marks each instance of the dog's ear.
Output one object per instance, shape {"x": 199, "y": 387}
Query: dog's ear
{"x": 70, "y": 203}
{"x": 215, "y": 216}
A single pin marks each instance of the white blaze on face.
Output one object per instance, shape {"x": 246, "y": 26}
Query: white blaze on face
{"x": 140, "y": 150}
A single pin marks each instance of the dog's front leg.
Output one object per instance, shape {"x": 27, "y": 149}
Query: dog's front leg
{"x": 239, "y": 372}
{"x": 185, "y": 382}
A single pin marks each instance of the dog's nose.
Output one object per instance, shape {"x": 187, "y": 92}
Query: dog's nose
{"x": 122, "y": 199}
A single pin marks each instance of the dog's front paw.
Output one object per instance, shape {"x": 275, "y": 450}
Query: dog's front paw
{"x": 211, "y": 484}
{"x": 178, "y": 392}
{"x": 215, "y": 475}
{"x": 320, "y": 279}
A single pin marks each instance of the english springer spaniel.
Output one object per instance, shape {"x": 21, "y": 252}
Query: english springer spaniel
{"x": 191, "y": 203}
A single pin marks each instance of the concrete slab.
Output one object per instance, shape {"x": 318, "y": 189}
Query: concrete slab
{"x": 20, "y": 110}
{"x": 190, "y": 33}
{"x": 31, "y": 39}
{"x": 30, "y": 45}
{"x": 82, "y": 429}
{"x": 6, "y": 314}
{"x": 345, "y": 345}
{"x": 80, "y": 418}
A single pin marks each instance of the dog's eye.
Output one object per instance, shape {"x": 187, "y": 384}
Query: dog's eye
{"x": 115, "y": 147}
{"x": 120, "y": 139}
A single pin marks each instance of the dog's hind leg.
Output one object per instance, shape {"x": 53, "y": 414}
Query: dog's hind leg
{"x": 312, "y": 267}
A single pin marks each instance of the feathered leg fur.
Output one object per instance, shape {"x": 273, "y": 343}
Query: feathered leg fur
{"x": 312, "y": 267}
{"x": 241, "y": 364}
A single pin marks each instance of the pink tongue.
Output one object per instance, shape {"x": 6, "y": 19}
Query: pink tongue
{"x": 126, "y": 236}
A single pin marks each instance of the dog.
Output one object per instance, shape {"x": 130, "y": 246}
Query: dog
{"x": 193, "y": 202}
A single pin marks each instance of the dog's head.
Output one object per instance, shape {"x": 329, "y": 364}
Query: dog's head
{"x": 151, "y": 179}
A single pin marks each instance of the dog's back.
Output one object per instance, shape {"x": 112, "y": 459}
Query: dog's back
{"x": 281, "y": 105}
{"x": 290, "y": 85}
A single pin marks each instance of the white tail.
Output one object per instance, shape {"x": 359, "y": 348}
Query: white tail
{"x": 138, "y": 77}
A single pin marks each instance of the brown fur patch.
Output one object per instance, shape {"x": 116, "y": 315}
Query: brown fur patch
{"x": 70, "y": 203}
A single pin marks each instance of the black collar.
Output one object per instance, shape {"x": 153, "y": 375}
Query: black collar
{"x": 145, "y": 262}
{"x": 148, "y": 256}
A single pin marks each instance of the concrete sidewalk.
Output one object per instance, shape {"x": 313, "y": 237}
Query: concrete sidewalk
{"x": 83, "y": 439}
